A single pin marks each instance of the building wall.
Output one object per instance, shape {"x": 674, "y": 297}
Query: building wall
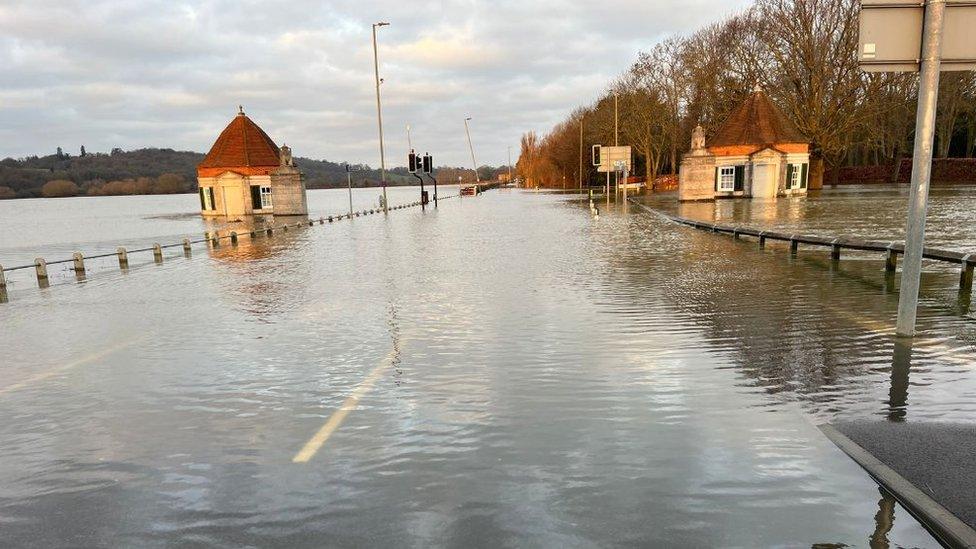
{"x": 696, "y": 178}
{"x": 765, "y": 174}
{"x": 288, "y": 190}
{"x": 232, "y": 193}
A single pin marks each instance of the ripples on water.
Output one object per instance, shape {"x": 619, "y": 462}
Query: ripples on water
{"x": 557, "y": 381}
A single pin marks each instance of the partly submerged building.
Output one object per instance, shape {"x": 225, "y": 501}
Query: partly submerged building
{"x": 756, "y": 153}
{"x": 245, "y": 173}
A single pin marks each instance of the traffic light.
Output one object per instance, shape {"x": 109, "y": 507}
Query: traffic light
{"x": 412, "y": 162}
{"x": 428, "y": 164}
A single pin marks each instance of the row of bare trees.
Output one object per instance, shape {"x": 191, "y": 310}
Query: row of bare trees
{"x": 804, "y": 55}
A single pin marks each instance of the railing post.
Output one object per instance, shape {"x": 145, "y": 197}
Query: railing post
{"x": 891, "y": 259}
{"x": 762, "y": 239}
{"x": 270, "y": 231}
{"x": 215, "y": 239}
{"x": 40, "y": 267}
{"x": 78, "y": 259}
{"x": 123, "y": 258}
{"x": 966, "y": 275}
{"x": 233, "y": 238}
{"x": 735, "y": 233}
{"x": 157, "y": 253}
{"x": 835, "y": 250}
{"x": 187, "y": 247}
{"x": 794, "y": 245}
{"x": 3, "y": 279}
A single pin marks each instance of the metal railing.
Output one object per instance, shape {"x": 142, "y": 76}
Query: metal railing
{"x": 213, "y": 239}
{"x": 892, "y": 250}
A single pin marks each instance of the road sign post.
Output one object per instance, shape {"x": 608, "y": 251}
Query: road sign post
{"x": 928, "y": 97}
{"x": 606, "y": 159}
{"x": 904, "y": 36}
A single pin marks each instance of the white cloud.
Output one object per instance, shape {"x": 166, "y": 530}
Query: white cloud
{"x": 171, "y": 73}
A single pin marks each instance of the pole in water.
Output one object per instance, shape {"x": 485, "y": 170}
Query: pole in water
{"x": 40, "y": 268}
{"x": 928, "y": 98}
{"x": 123, "y": 258}
{"x": 157, "y": 253}
{"x": 78, "y": 260}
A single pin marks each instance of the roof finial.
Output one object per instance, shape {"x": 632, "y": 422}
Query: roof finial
{"x": 757, "y": 88}
{"x": 240, "y": 110}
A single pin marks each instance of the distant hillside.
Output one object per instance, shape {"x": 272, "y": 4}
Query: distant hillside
{"x": 160, "y": 171}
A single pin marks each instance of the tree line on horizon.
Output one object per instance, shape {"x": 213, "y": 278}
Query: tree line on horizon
{"x": 803, "y": 53}
{"x": 167, "y": 171}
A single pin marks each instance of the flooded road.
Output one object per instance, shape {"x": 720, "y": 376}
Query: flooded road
{"x": 501, "y": 371}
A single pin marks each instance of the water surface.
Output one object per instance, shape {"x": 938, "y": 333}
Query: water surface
{"x": 539, "y": 378}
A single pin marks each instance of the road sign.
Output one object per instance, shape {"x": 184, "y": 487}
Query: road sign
{"x": 890, "y": 35}
{"x": 609, "y": 156}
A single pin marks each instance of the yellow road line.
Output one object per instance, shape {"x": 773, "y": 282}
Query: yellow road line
{"x": 335, "y": 420}
{"x": 64, "y": 368}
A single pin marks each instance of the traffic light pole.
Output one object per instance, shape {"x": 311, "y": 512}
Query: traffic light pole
{"x": 928, "y": 97}
{"x": 433, "y": 180}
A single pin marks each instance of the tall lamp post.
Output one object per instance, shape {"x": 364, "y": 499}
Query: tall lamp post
{"x": 379, "y": 111}
{"x": 477, "y": 179}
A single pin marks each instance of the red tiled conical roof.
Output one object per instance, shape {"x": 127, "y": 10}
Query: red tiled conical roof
{"x": 756, "y": 122}
{"x": 242, "y": 147}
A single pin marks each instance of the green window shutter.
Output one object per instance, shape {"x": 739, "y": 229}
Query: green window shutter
{"x": 255, "y": 197}
{"x": 803, "y": 176}
{"x": 740, "y": 178}
{"x": 203, "y": 201}
{"x": 789, "y": 176}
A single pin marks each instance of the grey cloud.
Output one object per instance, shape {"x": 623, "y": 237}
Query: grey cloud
{"x": 166, "y": 73}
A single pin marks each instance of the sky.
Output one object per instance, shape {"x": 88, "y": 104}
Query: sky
{"x": 168, "y": 73}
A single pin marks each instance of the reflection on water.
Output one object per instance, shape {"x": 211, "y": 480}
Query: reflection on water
{"x": 557, "y": 381}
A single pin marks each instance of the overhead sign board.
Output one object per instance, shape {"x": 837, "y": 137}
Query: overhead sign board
{"x": 608, "y": 156}
{"x": 890, "y": 35}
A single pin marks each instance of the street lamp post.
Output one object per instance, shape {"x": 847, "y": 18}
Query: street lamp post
{"x": 379, "y": 111}
{"x": 349, "y": 182}
{"x": 477, "y": 179}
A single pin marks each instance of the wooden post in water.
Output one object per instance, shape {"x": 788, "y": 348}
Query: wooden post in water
{"x": 3, "y": 279}
{"x": 762, "y": 239}
{"x": 233, "y": 238}
{"x": 966, "y": 275}
{"x": 157, "y": 253}
{"x": 78, "y": 260}
{"x": 40, "y": 267}
{"x": 123, "y": 258}
{"x": 891, "y": 259}
{"x": 187, "y": 248}
{"x": 835, "y": 250}
{"x": 794, "y": 246}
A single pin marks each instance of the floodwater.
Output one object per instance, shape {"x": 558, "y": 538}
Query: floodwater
{"x": 501, "y": 371}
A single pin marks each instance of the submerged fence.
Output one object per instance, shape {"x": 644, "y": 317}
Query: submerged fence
{"x": 892, "y": 250}
{"x": 212, "y": 239}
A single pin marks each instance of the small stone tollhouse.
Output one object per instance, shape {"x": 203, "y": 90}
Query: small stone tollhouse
{"x": 245, "y": 173}
{"x": 756, "y": 153}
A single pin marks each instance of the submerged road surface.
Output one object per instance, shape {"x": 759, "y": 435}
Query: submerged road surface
{"x": 501, "y": 371}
